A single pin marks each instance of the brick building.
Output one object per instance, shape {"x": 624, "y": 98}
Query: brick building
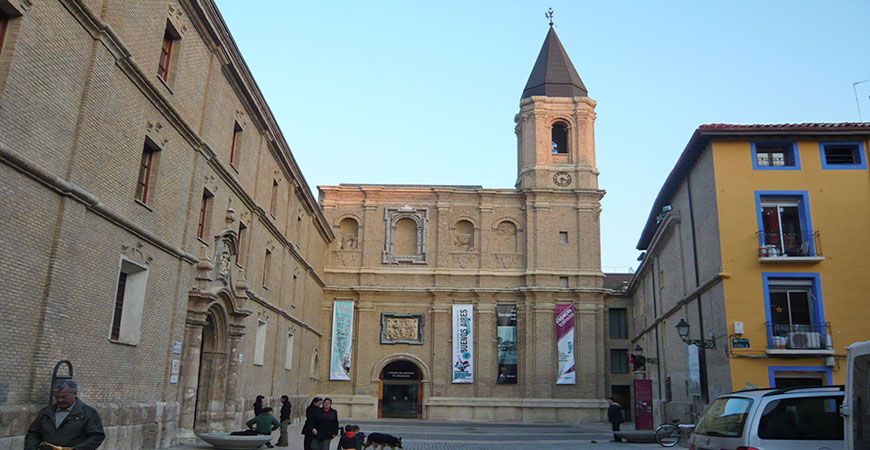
{"x": 407, "y": 256}
{"x": 155, "y": 228}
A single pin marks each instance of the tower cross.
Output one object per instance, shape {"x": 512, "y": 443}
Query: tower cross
{"x": 549, "y": 15}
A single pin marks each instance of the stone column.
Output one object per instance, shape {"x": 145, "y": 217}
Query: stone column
{"x": 232, "y": 401}
{"x": 588, "y": 351}
{"x": 190, "y": 375}
{"x": 486, "y": 351}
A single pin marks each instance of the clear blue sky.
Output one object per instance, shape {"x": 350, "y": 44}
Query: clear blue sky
{"x": 426, "y": 92}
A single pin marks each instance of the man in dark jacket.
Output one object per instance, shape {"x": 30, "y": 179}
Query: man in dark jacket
{"x": 614, "y": 416}
{"x": 324, "y": 426}
{"x": 286, "y": 408}
{"x": 69, "y": 422}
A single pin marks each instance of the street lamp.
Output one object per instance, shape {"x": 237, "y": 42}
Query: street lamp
{"x": 683, "y": 330}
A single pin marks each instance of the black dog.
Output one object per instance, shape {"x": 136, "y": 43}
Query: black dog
{"x": 382, "y": 441}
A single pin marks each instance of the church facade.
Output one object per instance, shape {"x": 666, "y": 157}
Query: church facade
{"x": 471, "y": 303}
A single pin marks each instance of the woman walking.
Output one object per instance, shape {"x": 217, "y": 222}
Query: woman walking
{"x": 324, "y": 427}
{"x": 312, "y": 409}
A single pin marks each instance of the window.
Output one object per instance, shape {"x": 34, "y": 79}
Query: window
{"x": 794, "y": 311}
{"x": 618, "y": 361}
{"x": 563, "y": 237}
{"x": 4, "y": 23}
{"x": 564, "y": 282}
{"x": 669, "y": 390}
{"x": 725, "y": 417}
{"x": 775, "y": 156}
{"x": 260, "y": 348}
{"x": 235, "y": 144}
{"x": 273, "y": 204}
{"x": 243, "y": 236}
{"x": 205, "y": 214}
{"x": 843, "y": 155}
{"x": 288, "y": 360}
{"x": 802, "y": 418}
{"x": 618, "y": 323}
{"x": 170, "y": 36}
{"x": 267, "y": 266}
{"x": 784, "y": 224}
{"x": 129, "y": 303}
{"x": 560, "y": 138}
{"x": 147, "y": 172}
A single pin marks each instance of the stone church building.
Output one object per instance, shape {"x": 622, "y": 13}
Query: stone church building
{"x": 156, "y": 232}
{"x": 405, "y": 255}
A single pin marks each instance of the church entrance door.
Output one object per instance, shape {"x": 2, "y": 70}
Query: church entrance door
{"x": 401, "y": 391}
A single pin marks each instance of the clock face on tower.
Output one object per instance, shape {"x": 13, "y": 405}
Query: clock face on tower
{"x": 562, "y": 179}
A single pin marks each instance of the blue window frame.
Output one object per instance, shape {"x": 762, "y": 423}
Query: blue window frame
{"x": 795, "y": 311}
{"x": 772, "y": 371}
{"x": 775, "y": 156}
{"x": 784, "y": 224}
{"x": 843, "y": 155}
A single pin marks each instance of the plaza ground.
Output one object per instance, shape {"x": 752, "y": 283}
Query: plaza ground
{"x": 431, "y": 435}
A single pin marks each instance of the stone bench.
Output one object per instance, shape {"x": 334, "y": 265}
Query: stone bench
{"x": 637, "y": 436}
{"x": 228, "y": 442}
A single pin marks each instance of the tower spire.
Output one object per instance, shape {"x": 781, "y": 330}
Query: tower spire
{"x": 553, "y": 74}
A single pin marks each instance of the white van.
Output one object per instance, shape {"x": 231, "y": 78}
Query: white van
{"x": 856, "y": 407}
{"x": 800, "y": 418}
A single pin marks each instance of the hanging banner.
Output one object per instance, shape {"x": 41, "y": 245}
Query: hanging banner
{"x": 342, "y": 335}
{"x": 565, "y": 344}
{"x": 463, "y": 344}
{"x": 506, "y": 330}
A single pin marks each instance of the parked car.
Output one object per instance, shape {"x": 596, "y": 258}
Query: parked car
{"x": 856, "y": 407}
{"x": 798, "y": 418}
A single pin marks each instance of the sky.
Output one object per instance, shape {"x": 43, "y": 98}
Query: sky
{"x": 425, "y": 92}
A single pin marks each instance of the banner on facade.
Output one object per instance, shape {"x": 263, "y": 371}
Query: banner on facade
{"x": 506, "y": 330}
{"x": 565, "y": 344}
{"x": 694, "y": 365}
{"x": 463, "y": 344}
{"x": 342, "y": 336}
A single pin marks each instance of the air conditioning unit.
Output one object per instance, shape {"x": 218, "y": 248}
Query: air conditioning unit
{"x": 798, "y": 340}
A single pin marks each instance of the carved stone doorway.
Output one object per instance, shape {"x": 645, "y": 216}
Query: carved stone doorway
{"x": 401, "y": 392}
{"x": 211, "y": 383}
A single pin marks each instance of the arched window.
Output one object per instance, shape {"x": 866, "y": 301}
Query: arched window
{"x": 560, "y": 138}
{"x": 464, "y": 237}
{"x": 506, "y": 237}
{"x": 406, "y": 237}
{"x": 349, "y": 233}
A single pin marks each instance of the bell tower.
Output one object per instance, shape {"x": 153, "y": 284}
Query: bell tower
{"x": 555, "y": 125}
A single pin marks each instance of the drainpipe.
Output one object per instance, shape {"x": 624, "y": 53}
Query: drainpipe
{"x": 702, "y": 353}
{"x": 659, "y": 353}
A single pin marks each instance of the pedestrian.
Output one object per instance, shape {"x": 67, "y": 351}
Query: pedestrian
{"x": 312, "y": 408}
{"x": 69, "y": 422}
{"x": 614, "y": 416}
{"x": 286, "y": 408}
{"x": 258, "y": 405}
{"x": 324, "y": 427}
{"x": 264, "y": 423}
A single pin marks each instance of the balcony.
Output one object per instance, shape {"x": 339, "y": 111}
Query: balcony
{"x": 775, "y": 247}
{"x": 785, "y": 339}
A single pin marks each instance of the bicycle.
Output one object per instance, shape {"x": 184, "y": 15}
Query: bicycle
{"x": 670, "y": 434}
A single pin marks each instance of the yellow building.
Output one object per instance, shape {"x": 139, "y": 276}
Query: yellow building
{"x": 757, "y": 242}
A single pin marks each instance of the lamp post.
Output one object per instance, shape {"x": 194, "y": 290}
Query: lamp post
{"x": 683, "y": 328}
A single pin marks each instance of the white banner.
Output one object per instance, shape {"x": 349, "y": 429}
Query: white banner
{"x": 342, "y": 337}
{"x": 463, "y": 344}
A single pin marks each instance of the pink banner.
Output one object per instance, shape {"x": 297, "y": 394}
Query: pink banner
{"x": 565, "y": 343}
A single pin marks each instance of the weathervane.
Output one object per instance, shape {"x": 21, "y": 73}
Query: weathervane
{"x": 549, "y": 14}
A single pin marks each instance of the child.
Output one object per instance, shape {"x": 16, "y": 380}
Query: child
{"x": 349, "y": 439}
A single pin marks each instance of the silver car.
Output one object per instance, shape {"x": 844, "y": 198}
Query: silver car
{"x": 772, "y": 419}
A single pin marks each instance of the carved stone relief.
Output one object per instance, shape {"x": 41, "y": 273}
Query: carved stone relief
{"x": 402, "y": 329}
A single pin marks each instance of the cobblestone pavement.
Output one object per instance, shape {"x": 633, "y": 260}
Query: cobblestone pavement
{"x": 430, "y": 435}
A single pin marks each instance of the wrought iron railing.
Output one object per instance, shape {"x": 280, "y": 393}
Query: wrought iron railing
{"x": 775, "y": 244}
{"x": 816, "y": 336}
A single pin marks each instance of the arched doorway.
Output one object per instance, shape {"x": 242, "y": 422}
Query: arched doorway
{"x": 401, "y": 393}
{"x": 211, "y": 378}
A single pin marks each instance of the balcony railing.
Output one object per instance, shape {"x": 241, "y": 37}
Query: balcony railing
{"x": 815, "y": 336}
{"x": 785, "y": 245}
